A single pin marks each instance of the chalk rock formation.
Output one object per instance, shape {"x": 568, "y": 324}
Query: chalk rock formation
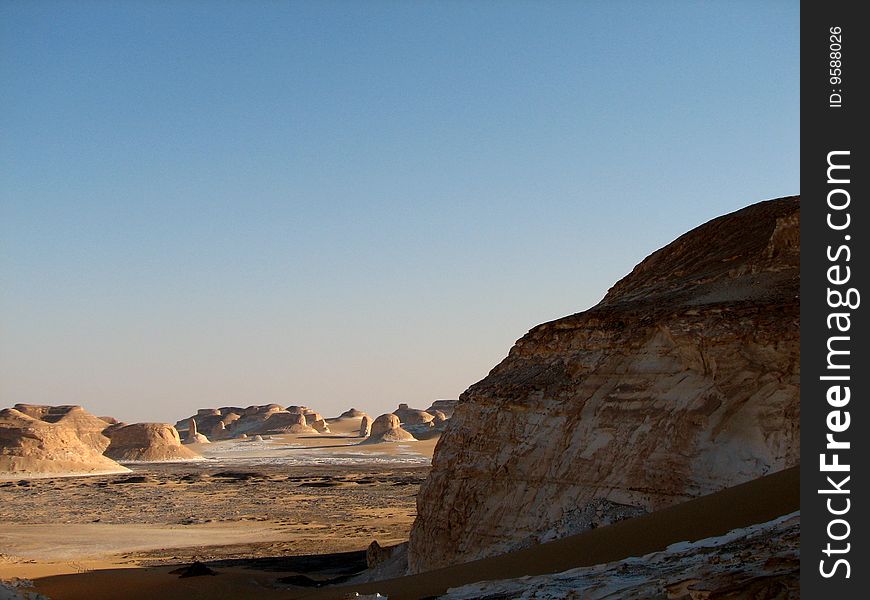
{"x": 89, "y": 428}
{"x": 445, "y": 406}
{"x": 388, "y": 428}
{"x": 412, "y": 416}
{"x": 683, "y": 381}
{"x": 30, "y": 446}
{"x": 351, "y": 413}
{"x": 193, "y": 436}
{"x": 365, "y": 427}
{"x": 285, "y": 422}
{"x": 148, "y": 442}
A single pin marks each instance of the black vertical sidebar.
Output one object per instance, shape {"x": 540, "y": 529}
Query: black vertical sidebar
{"x": 835, "y": 300}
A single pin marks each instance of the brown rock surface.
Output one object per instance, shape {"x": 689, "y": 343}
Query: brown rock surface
{"x": 684, "y": 380}
{"x": 412, "y": 416}
{"x": 284, "y": 422}
{"x": 89, "y": 428}
{"x": 29, "y": 445}
{"x": 445, "y": 406}
{"x": 388, "y": 428}
{"x": 365, "y": 427}
{"x": 148, "y": 442}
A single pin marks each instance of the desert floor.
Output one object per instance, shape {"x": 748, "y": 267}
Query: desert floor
{"x": 283, "y": 496}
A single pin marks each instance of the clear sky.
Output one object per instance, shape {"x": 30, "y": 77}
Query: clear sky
{"x": 354, "y": 203}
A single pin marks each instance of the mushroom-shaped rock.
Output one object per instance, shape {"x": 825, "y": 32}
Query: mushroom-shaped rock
{"x": 148, "y": 442}
{"x": 388, "y": 428}
{"x": 365, "y": 426}
{"x": 193, "y": 436}
{"x": 31, "y": 446}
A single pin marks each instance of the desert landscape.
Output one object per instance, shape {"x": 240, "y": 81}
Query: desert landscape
{"x": 645, "y": 448}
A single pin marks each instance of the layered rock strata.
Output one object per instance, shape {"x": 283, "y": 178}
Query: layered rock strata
{"x": 683, "y": 381}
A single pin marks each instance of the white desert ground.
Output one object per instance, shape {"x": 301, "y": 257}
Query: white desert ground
{"x": 291, "y": 494}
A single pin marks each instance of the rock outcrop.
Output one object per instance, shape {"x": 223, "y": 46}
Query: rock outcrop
{"x": 284, "y": 422}
{"x": 89, "y": 428}
{"x": 445, "y": 406}
{"x": 683, "y": 381}
{"x": 148, "y": 442}
{"x": 365, "y": 427}
{"x": 412, "y": 416}
{"x": 193, "y": 436}
{"x": 31, "y": 446}
{"x": 388, "y": 428}
{"x": 351, "y": 413}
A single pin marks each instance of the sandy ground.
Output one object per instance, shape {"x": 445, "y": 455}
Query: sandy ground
{"x": 285, "y": 495}
{"x": 758, "y": 501}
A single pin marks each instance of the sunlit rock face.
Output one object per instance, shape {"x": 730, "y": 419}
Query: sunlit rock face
{"x": 684, "y": 380}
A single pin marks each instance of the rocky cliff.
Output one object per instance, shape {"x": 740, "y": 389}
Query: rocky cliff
{"x": 684, "y": 380}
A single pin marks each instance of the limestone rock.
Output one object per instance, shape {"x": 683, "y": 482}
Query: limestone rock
{"x": 285, "y": 422}
{"x": 89, "y": 428}
{"x": 412, "y": 416}
{"x": 30, "y": 446}
{"x": 148, "y": 442}
{"x": 351, "y": 413}
{"x": 388, "y": 428}
{"x": 445, "y": 406}
{"x": 193, "y": 436}
{"x": 365, "y": 427}
{"x": 683, "y": 381}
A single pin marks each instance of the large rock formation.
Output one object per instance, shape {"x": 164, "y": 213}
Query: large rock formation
{"x": 412, "y": 416}
{"x": 445, "y": 406}
{"x": 193, "y": 436}
{"x": 89, "y": 428}
{"x": 284, "y": 422}
{"x": 31, "y": 446}
{"x": 148, "y": 442}
{"x": 684, "y": 380}
{"x": 388, "y": 428}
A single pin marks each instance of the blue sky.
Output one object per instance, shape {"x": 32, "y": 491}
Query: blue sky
{"x": 354, "y": 203}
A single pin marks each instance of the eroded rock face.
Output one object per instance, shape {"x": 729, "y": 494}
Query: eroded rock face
{"x": 388, "y": 428}
{"x": 31, "y": 446}
{"x": 412, "y": 416}
{"x": 148, "y": 442}
{"x": 89, "y": 428}
{"x": 684, "y": 380}
{"x": 365, "y": 427}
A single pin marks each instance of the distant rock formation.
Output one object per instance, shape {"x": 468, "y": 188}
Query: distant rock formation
{"x": 351, "y": 413}
{"x": 284, "y": 422}
{"x": 31, "y": 446}
{"x": 232, "y": 422}
{"x": 193, "y": 436}
{"x": 89, "y": 428}
{"x": 683, "y": 381}
{"x": 365, "y": 427}
{"x": 445, "y": 406}
{"x": 148, "y": 442}
{"x": 388, "y": 428}
{"x": 412, "y": 416}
